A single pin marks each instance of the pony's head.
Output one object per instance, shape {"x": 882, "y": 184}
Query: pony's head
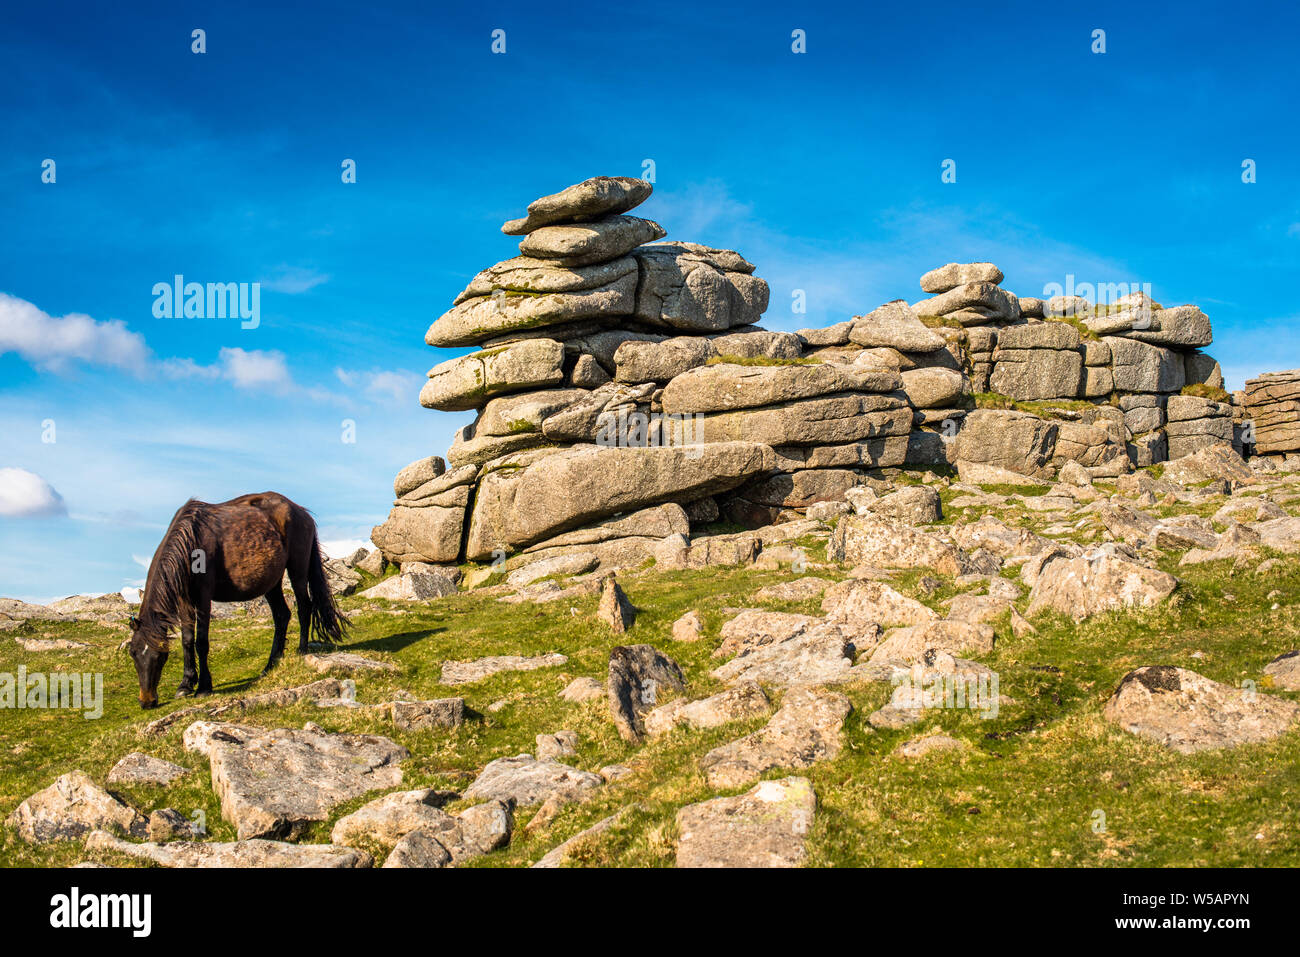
{"x": 148, "y": 647}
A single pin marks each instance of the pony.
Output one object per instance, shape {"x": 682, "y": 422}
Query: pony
{"x": 234, "y": 551}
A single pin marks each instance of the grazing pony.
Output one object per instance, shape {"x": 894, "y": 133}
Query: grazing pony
{"x": 235, "y": 551}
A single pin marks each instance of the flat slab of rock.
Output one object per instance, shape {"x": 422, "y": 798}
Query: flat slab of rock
{"x": 909, "y": 645}
{"x": 746, "y": 700}
{"x": 327, "y": 689}
{"x": 805, "y": 730}
{"x": 412, "y": 586}
{"x": 387, "y": 820}
{"x": 1188, "y": 712}
{"x": 275, "y": 783}
{"x": 251, "y": 853}
{"x": 638, "y": 674}
{"x": 347, "y": 663}
{"x": 871, "y": 601}
{"x": 138, "y": 768}
{"x": 1285, "y": 671}
{"x": 767, "y": 826}
{"x": 422, "y": 715}
{"x": 1096, "y": 583}
{"x": 71, "y": 808}
{"x": 590, "y": 199}
{"x": 463, "y": 672}
{"x": 527, "y": 781}
{"x": 818, "y": 654}
{"x": 871, "y": 540}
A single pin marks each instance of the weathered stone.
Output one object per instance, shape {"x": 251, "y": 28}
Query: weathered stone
{"x": 894, "y": 325}
{"x": 689, "y": 627}
{"x": 137, "y": 768}
{"x": 861, "y": 602}
{"x": 836, "y": 335}
{"x": 250, "y": 853}
{"x": 418, "y": 849}
{"x": 767, "y": 826}
{"x": 413, "y": 586}
{"x": 346, "y": 663}
{"x": 910, "y": 644}
{"x": 728, "y": 386}
{"x": 506, "y": 312}
{"x": 748, "y": 342}
{"x": 583, "y": 689}
{"x": 276, "y": 782}
{"x": 1141, "y": 367}
{"x": 971, "y": 304}
{"x": 1188, "y": 712}
{"x": 817, "y": 653}
{"x": 953, "y": 275}
{"x": 568, "y": 489}
{"x": 637, "y": 673}
{"x": 574, "y": 563}
{"x": 1015, "y": 441}
{"x": 801, "y": 488}
{"x": 423, "y": 715}
{"x": 592, "y": 198}
{"x": 698, "y": 289}
{"x": 1030, "y": 374}
{"x": 614, "y": 608}
{"x": 599, "y": 240}
{"x": 1284, "y": 671}
{"x": 1089, "y": 585}
{"x": 827, "y": 420}
{"x": 469, "y": 381}
{"x": 746, "y": 700}
{"x": 935, "y": 388}
{"x": 417, "y": 473}
{"x": 386, "y": 820}
{"x": 805, "y": 730}
{"x": 913, "y": 505}
{"x": 1215, "y": 462}
{"x": 871, "y": 540}
{"x": 659, "y": 361}
{"x": 527, "y": 781}
{"x": 69, "y": 809}
{"x": 464, "y": 672}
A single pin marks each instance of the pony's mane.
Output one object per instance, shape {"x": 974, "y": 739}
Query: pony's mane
{"x": 166, "y": 595}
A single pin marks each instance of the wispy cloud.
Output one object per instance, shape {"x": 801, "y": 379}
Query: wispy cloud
{"x": 294, "y": 280}
{"x": 25, "y": 494}
{"x": 388, "y": 386}
{"x": 54, "y": 344}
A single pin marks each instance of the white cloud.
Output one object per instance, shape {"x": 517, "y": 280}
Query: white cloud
{"x": 256, "y": 369}
{"x": 55, "y": 343}
{"x": 295, "y": 280}
{"x": 343, "y": 547}
{"x": 388, "y": 385}
{"x": 25, "y": 494}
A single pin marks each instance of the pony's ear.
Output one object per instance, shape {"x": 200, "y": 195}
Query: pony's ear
{"x": 134, "y": 622}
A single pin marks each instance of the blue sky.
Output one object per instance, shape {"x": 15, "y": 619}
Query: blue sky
{"x": 822, "y": 168}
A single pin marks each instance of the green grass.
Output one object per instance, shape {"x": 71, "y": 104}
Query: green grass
{"x": 1024, "y": 794}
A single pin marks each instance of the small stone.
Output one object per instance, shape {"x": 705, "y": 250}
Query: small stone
{"x": 614, "y": 609}
{"x": 137, "y": 768}
{"x": 689, "y": 627}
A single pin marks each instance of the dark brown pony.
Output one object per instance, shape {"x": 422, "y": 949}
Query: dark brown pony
{"x": 235, "y": 551}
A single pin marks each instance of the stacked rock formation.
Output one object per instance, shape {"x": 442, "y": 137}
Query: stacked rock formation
{"x": 1272, "y": 407}
{"x": 625, "y": 395}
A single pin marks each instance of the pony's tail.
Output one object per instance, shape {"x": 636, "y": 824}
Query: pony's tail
{"x": 327, "y": 622}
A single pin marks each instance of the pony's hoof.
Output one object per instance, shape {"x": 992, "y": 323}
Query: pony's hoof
{"x": 184, "y": 692}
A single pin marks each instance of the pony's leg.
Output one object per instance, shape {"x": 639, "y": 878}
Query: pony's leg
{"x": 279, "y": 615}
{"x": 189, "y": 676}
{"x": 303, "y": 598}
{"x": 202, "y": 619}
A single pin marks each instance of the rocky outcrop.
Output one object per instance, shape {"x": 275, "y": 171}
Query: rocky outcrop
{"x": 612, "y": 372}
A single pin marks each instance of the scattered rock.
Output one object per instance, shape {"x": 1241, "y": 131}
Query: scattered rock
{"x": 347, "y": 663}
{"x": 527, "y": 781}
{"x": 746, "y": 700}
{"x": 250, "y": 853}
{"x": 637, "y": 674}
{"x": 70, "y": 808}
{"x": 1188, "y": 712}
{"x": 614, "y": 608}
{"x": 766, "y": 826}
{"x": 805, "y": 730}
{"x": 276, "y": 782}
{"x": 137, "y": 768}
{"x": 464, "y": 672}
